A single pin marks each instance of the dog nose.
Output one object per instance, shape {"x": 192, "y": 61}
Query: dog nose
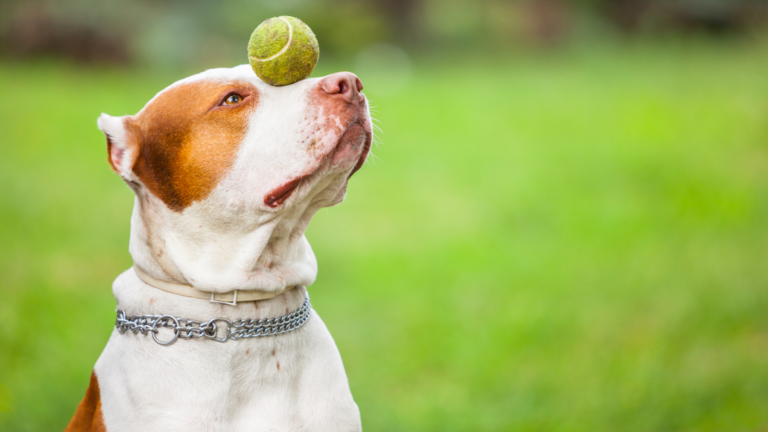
{"x": 345, "y": 84}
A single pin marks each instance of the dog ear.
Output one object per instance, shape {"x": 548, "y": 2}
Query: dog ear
{"x": 122, "y": 145}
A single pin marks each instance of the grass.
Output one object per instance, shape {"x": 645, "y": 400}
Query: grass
{"x": 571, "y": 242}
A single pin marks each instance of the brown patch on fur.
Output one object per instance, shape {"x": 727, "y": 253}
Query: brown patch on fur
{"x": 248, "y": 351}
{"x": 151, "y": 300}
{"x": 312, "y": 147}
{"x": 88, "y": 417}
{"x": 188, "y": 141}
{"x": 278, "y": 365}
{"x": 273, "y": 352}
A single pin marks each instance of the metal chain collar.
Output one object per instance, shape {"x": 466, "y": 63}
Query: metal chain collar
{"x": 237, "y": 329}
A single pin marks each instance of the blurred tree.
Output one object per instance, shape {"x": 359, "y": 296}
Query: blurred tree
{"x": 205, "y": 33}
{"x": 628, "y": 15}
{"x": 549, "y": 21}
{"x": 42, "y": 29}
{"x": 402, "y": 19}
{"x": 632, "y": 16}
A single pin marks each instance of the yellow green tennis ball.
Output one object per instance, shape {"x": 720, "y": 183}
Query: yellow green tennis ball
{"x": 283, "y": 50}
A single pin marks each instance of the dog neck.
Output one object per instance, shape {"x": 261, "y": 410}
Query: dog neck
{"x": 237, "y": 251}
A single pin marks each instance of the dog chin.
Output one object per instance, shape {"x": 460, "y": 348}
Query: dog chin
{"x": 340, "y": 196}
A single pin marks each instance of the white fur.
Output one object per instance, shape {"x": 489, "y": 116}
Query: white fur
{"x": 222, "y": 243}
{"x": 203, "y": 385}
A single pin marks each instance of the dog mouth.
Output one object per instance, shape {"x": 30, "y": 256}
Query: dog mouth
{"x": 345, "y": 149}
{"x": 278, "y": 195}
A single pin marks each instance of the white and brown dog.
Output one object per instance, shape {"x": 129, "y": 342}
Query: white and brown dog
{"x": 228, "y": 172}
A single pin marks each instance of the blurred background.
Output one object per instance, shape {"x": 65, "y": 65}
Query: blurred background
{"x": 562, "y": 226}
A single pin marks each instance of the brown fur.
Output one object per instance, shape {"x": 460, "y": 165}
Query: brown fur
{"x": 187, "y": 140}
{"x": 88, "y": 417}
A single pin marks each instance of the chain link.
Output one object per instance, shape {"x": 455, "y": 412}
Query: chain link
{"x": 237, "y": 329}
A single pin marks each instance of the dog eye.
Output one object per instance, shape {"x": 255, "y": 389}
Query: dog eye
{"x": 232, "y": 99}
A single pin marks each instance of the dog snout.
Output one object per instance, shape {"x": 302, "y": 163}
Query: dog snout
{"x": 343, "y": 84}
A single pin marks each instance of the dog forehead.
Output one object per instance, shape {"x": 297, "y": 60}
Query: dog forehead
{"x": 184, "y": 103}
{"x": 218, "y": 76}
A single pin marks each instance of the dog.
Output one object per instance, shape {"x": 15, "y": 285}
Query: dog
{"x": 227, "y": 172}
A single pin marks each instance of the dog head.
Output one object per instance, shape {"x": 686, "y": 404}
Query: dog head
{"x": 228, "y": 171}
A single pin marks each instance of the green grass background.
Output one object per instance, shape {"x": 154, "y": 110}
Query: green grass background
{"x": 574, "y": 241}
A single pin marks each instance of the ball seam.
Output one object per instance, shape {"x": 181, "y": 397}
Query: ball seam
{"x": 284, "y": 49}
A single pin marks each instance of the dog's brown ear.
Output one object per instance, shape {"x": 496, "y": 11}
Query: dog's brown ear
{"x": 123, "y": 145}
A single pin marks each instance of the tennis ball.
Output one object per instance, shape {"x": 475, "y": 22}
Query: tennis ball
{"x": 283, "y": 50}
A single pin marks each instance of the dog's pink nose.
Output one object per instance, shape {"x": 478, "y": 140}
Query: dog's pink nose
{"x": 344, "y": 84}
